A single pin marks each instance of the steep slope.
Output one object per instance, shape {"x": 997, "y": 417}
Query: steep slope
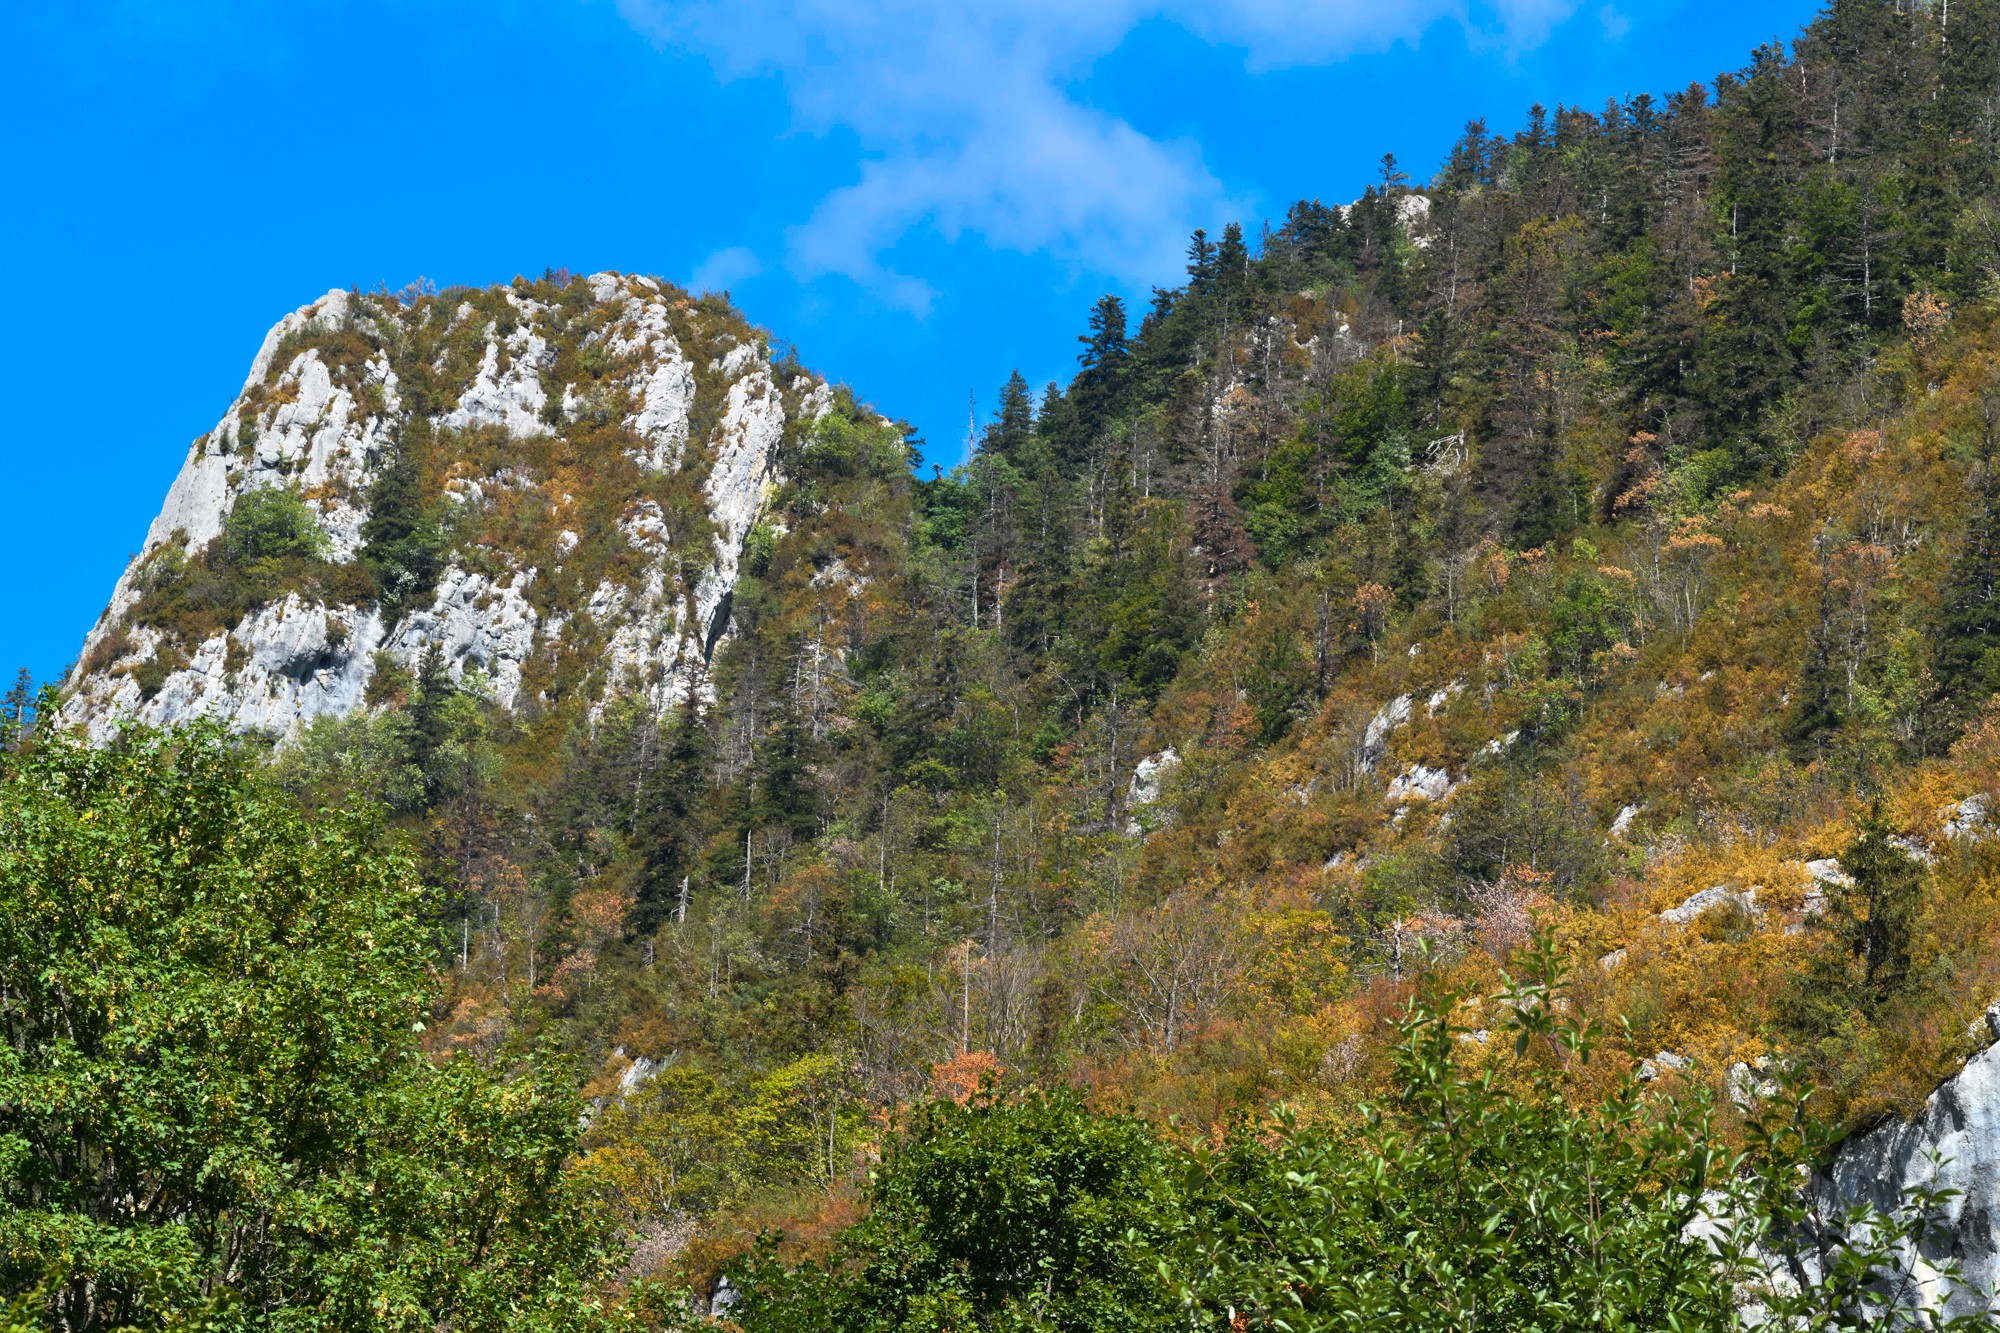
{"x": 1613, "y": 541}
{"x": 548, "y": 485}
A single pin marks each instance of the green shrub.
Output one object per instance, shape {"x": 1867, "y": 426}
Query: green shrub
{"x": 1005, "y": 1213}
{"x": 213, "y": 1108}
{"x": 271, "y": 524}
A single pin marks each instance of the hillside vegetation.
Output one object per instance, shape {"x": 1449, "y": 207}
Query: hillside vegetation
{"x": 1612, "y": 519}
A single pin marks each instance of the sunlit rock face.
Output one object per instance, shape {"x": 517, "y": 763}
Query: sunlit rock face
{"x": 591, "y": 454}
{"x": 1952, "y": 1144}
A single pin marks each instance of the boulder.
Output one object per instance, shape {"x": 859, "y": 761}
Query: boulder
{"x": 1722, "y": 895}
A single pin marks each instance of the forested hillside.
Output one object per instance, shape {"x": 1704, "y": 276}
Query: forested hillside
{"x": 1603, "y": 533}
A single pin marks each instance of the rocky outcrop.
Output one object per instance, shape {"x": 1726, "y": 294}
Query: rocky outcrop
{"x": 1698, "y": 905}
{"x": 1420, "y": 782}
{"x": 294, "y": 661}
{"x": 541, "y": 401}
{"x": 1388, "y": 719}
{"x": 1952, "y": 1144}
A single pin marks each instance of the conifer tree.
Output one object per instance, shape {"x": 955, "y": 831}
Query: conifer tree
{"x": 17, "y": 708}
{"x": 1201, "y": 266}
{"x": 1967, "y": 665}
{"x": 1014, "y": 422}
{"x": 667, "y": 825}
{"x": 1876, "y": 915}
{"x": 1095, "y": 395}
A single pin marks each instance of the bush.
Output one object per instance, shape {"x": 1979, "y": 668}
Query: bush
{"x": 213, "y": 1110}
{"x": 1017, "y": 1213}
{"x": 271, "y": 524}
{"x": 1475, "y": 1198}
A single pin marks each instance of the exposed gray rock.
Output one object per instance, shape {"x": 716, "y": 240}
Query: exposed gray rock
{"x": 1375, "y": 737}
{"x": 1822, "y": 875}
{"x": 1911, "y": 848}
{"x": 327, "y": 431}
{"x": 513, "y": 399}
{"x": 1420, "y": 782}
{"x": 1661, "y": 1062}
{"x": 1747, "y": 1084}
{"x": 1149, "y": 773}
{"x": 1953, "y": 1143}
{"x": 640, "y": 1072}
{"x": 298, "y": 661}
{"x": 1722, "y": 895}
{"x": 1969, "y": 818}
{"x": 475, "y": 624}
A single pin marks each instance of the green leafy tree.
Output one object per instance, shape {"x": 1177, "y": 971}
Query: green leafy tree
{"x": 1504, "y": 1197}
{"x": 212, "y": 1104}
{"x": 1021, "y": 1213}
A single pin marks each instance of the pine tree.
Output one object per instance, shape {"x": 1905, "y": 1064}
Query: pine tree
{"x": 16, "y": 709}
{"x": 1876, "y": 916}
{"x": 401, "y": 540}
{"x": 667, "y": 827}
{"x": 1014, "y": 423}
{"x": 1967, "y": 664}
{"x": 430, "y": 726}
{"x": 1232, "y": 267}
{"x": 1201, "y": 267}
{"x": 1095, "y": 394}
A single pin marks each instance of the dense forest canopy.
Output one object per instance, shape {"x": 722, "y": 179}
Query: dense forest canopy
{"x": 1611, "y": 519}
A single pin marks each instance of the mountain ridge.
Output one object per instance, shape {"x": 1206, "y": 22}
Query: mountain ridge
{"x": 328, "y": 430}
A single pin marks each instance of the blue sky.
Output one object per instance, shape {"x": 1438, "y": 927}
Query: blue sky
{"x": 921, "y": 196}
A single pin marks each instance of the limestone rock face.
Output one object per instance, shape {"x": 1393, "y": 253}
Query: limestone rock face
{"x": 295, "y": 661}
{"x": 1700, "y": 904}
{"x": 1375, "y": 737}
{"x": 595, "y": 455}
{"x": 1952, "y": 1144}
{"x": 1150, "y": 774}
{"x": 1420, "y": 782}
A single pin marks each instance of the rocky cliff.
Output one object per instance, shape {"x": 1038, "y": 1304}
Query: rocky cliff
{"x": 1952, "y": 1145}
{"x": 540, "y": 487}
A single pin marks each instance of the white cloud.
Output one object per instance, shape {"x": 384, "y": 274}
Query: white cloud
{"x": 724, "y": 269}
{"x": 966, "y": 125}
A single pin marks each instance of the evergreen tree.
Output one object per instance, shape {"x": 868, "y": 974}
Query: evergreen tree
{"x": 431, "y": 730}
{"x": 1014, "y": 423}
{"x": 1201, "y": 263}
{"x": 1232, "y": 270}
{"x": 17, "y": 708}
{"x": 1876, "y": 915}
{"x": 1967, "y": 662}
{"x": 1094, "y": 396}
{"x": 402, "y": 540}
{"x": 667, "y": 825}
